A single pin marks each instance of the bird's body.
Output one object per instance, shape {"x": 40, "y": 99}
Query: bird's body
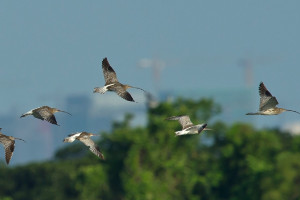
{"x": 8, "y": 143}
{"x": 85, "y": 138}
{"x": 112, "y": 84}
{"x": 268, "y": 103}
{"x": 187, "y": 126}
{"x": 44, "y": 113}
{"x": 270, "y": 111}
{"x": 196, "y": 129}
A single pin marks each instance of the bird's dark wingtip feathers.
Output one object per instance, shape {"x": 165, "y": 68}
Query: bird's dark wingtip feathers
{"x": 105, "y": 61}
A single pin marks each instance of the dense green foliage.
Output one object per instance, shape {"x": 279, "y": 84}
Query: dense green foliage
{"x": 231, "y": 162}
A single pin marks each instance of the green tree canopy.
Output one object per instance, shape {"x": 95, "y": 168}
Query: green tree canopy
{"x": 149, "y": 162}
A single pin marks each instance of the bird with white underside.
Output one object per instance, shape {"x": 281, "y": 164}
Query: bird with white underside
{"x": 187, "y": 126}
{"x": 268, "y": 103}
{"x": 8, "y": 143}
{"x": 112, "y": 84}
{"x": 85, "y": 138}
{"x": 44, "y": 113}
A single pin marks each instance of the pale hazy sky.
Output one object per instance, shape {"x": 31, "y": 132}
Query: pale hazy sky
{"x": 50, "y": 50}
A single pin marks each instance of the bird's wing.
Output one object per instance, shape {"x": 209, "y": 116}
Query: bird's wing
{"x": 184, "y": 120}
{"x": 71, "y": 137}
{"x": 202, "y": 127}
{"x": 108, "y": 72}
{"x": 122, "y": 93}
{"x": 75, "y": 134}
{"x": 45, "y": 114}
{"x": 9, "y": 146}
{"x": 9, "y": 149}
{"x": 267, "y": 101}
{"x": 93, "y": 147}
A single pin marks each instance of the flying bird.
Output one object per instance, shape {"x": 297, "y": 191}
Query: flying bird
{"x": 187, "y": 126}
{"x": 112, "y": 83}
{"x": 8, "y": 143}
{"x": 85, "y": 138}
{"x": 268, "y": 103}
{"x": 44, "y": 113}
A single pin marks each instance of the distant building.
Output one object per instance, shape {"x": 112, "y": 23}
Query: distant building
{"x": 79, "y": 106}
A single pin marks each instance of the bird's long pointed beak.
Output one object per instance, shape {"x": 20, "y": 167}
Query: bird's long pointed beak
{"x": 293, "y": 111}
{"x": 20, "y": 139}
{"x": 64, "y": 112}
{"x": 129, "y": 86}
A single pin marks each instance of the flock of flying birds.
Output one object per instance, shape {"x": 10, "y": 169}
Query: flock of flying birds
{"x": 267, "y": 106}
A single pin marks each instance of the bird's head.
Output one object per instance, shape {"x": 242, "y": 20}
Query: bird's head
{"x": 202, "y": 127}
{"x": 281, "y": 110}
{"x": 92, "y": 134}
{"x": 127, "y": 87}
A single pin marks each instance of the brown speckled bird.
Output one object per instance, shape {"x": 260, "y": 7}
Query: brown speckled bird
{"x": 44, "y": 113}
{"x": 268, "y": 103}
{"x": 112, "y": 83}
{"x": 9, "y": 145}
{"x": 85, "y": 138}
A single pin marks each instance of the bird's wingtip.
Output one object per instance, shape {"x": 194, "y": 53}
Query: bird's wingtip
{"x": 102, "y": 157}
